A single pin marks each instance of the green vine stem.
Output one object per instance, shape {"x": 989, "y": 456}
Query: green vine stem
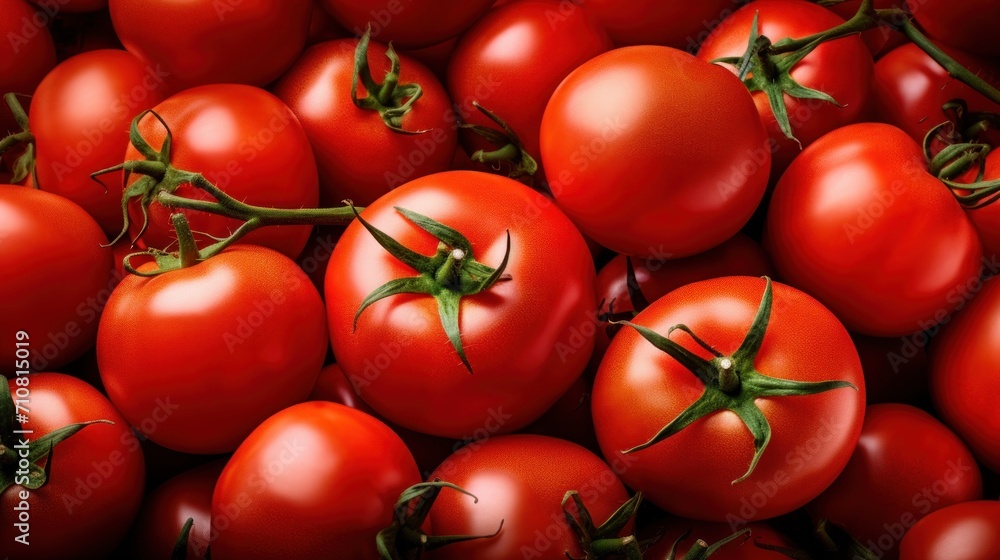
{"x": 25, "y": 163}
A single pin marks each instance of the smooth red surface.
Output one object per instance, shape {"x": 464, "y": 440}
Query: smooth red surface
{"x": 673, "y": 23}
{"x": 968, "y": 25}
{"x": 968, "y": 531}
{"x": 743, "y": 548}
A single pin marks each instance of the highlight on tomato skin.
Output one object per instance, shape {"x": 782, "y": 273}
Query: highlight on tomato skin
{"x": 497, "y": 279}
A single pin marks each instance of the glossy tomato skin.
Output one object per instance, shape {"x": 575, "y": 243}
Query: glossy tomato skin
{"x": 638, "y": 187}
{"x": 639, "y": 389}
{"x": 46, "y": 240}
{"x": 906, "y": 465}
{"x": 881, "y": 39}
{"x": 359, "y": 157}
{"x": 963, "y": 374}
{"x": 842, "y": 69}
{"x": 80, "y": 116}
{"x": 671, "y": 23}
{"x": 514, "y": 58}
{"x": 521, "y": 480}
{"x": 740, "y": 256}
{"x": 246, "y": 142}
{"x": 164, "y": 512}
{"x": 411, "y": 24}
{"x": 314, "y": 478}
{"x": 95, "y": 483}
{"x": 233, "y": 340}
{"x": 859, "y": 223}
{"x": 527, "y": 339}
{"x": 671, "y": 529}
{"x": 428, "y": 451}
{"x": 986, "y": 218}
{"x": 25, "y": 60}
{"x": 967, "y": 531}
{"x": 209, "y": 42}
{"x": 910, "y": 88}
{"x": 967, "y": 25}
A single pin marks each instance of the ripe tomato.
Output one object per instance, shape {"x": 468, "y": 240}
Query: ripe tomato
{"x": 740, "y": 256}
{"x": 673, "y": 23}
{"x": 26, "y": 54}
{"x": 235, "y": 339}
{"x": 986, "y": 218}
{"x": 318, "y": 90}
{"x": 520, "y": 481}
{"x": 80, "y": 117}
{"x": 410, "y": 24}
{"x": 167, "y": 509}
{"x": 314, "y": 478}
{"x": 94, "y": 483}
{"x": 910, "y": 89}
{"x": 859, "y": 223}
{"x": 963, "y": 375}
{"x": 741, "y": 548}
{"x": 841, "y": 69}
{"x": 512, "y": 60}
{"x": 246, "y": 142}
{"x": 906, "y": 465}
{"x": 333, "y": 386}
{"x": 968, "y": 531}
{"x": 526, "y": 339}
{"x": 968, "y": 25}
{"x": 674, "y": 185}
{"x": 47, "y": 240}
{"x": 895, "y": 370}
{"x": 640, "y": 389}
{"x": 882, "y": 38}
{"x": 200, "y": 42}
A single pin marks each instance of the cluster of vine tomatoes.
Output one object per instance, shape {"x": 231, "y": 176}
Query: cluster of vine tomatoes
{"x": 515, "y": 279}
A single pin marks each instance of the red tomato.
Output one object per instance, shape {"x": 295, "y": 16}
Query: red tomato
{"x": 322, "y": 27}
{"x": 200, "y": 42}
{"x": 987, "y": 218}
{"x": 841, "y": 69}
{"x": 80, "y": 116}
{"x": 55, "y": 273}
{"x": 333, "y": 386}
{"x": 410, "y": 24}
{"x": 95, "y": 480}
{"x": 740, "y": 256}
{"x": 883, "y": 37}
{"x": 895, "y": 370}
{"x": 910, "y": 89}
{"x": 674, "y": 23}
{"x": 360, "y": 158}
{"x": 235, "y": 339}
{"x": 672, "y": 186}
{"x": 640, "y": 389}
{"x": 526, "y": 339}
{"x": 514, "y": 58}
{"x": 968, "y": 25}
{"x": 969, "y": 531}
{"x": 246, "y": 142}
{"x": 314, "y": 478}
{"x": 963, "y": 375}
{"x": 859, "y": 223}
{"x": 167, "y": 509}
{"x": 906, "y": 465}
{"x": 435, "y": 57}
{"x": 741, "y": 548}
{"x": 521, "y": 480}
{"x": 26, "y": 54}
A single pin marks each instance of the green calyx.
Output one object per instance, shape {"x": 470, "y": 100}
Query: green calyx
{"x": 956, "y": 159}
{"x": 761, "y": 69}
{"x": 635, "y": 295}
{"x": 701, "y": 550}
{"x": 404, "y": 539}
{"x": 21, "y": 461}
{"x": 449, "y": 275}
{"x": 158, "y": 182}
{"x": 731, "y": 382}
{"x": 967, "y": 126}
{"x": 24, "y": 165}
{"x": 511, "y": 151}
{"x": 391, "y": 99}
{"x": 602, "y": 541}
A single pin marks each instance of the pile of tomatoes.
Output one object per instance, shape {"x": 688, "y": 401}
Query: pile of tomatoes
{"x": 499, "y": 280}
